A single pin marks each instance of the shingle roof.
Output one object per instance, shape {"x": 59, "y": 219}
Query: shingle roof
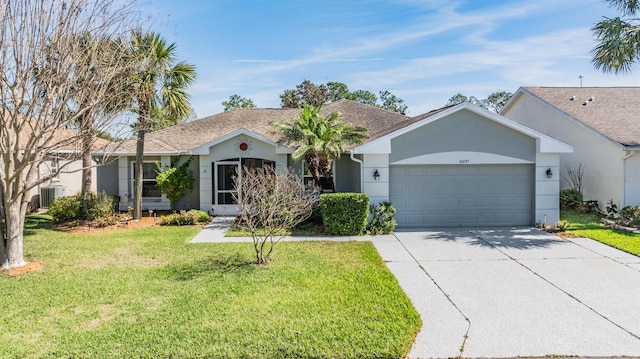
{"x": 187, "y": 136}
{"x": 614, "y": 112}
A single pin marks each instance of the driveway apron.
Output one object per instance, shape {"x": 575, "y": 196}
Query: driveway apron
{"x": 516, "y": 292}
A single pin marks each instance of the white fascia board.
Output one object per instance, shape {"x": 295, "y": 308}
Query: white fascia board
{"x": 383, "y": 144}
{"x": 204, "y": 148}
{"x": 150, "y": 153}
{"x": 547, "y": 144}
{"x": 512, "y": 100}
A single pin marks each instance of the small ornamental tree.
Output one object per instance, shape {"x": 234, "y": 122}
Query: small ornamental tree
{"x": 270, "y": 203}
{"x": 174, "y": 182}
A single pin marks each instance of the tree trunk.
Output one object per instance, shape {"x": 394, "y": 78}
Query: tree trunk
{"x": 142, "y": 128}
{"x": 326, "y": 168}
{"x": 11, "y": 253}
{"x": 313, "y": 165}
{"x": 87, "y": 141}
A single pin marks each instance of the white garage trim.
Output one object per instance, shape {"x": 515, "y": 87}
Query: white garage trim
{"x": 545, "y": 143}
{"x": 460, "y": 157}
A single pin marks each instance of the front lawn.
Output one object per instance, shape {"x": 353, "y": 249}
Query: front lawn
{"x": 588, "y": 225}
{"x": 147, "y": 293}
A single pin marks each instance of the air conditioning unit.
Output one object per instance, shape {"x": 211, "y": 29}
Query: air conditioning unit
{"x": 50, "y": 193}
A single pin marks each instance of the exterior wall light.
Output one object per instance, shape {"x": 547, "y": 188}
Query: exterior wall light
{"x": 376, "y": 175}
{"x": 549, "y": 173}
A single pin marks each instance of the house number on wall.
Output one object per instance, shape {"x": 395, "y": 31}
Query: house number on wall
{"x": 463, "y": 161}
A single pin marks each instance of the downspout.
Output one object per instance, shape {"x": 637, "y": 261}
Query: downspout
{"x": 361, "y": 170}
{"x": 624, "y": 178}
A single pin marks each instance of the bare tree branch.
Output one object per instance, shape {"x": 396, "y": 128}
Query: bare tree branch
{"x": 270, "y": 203}
{"x": 53, "y": 72}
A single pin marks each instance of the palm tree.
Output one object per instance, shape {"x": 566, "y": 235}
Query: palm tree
{"x": 618, "y": 39}
{"x": 319, "y": 140}
{"x": 102, "y": 56}
{"x": 159, "y": 83}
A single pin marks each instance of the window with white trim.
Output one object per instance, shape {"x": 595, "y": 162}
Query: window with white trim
{"x": 149, "y": 183}
{"x": 324, "y": 183}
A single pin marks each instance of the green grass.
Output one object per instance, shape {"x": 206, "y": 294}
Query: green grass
{"x": 588, "y": 225}
{"x": 147, "y": 293}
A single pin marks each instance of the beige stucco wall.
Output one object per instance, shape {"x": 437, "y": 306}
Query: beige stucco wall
{"x": 69, "y": 176}
{"x": 601, "y": 159}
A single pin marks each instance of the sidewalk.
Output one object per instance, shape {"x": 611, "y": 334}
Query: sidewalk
{"x": 215, "y": 232}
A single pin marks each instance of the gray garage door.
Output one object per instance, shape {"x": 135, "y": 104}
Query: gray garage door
{"x": 452, "y": 196}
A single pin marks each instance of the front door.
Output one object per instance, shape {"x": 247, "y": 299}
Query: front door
{"x": 225, "y": 190}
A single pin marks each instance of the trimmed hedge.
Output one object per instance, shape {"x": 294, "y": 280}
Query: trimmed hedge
{"x": 344, "y": 214}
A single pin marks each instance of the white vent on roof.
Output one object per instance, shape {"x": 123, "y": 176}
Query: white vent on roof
{"x": 591, "y": 98}
{"x": 572, "y": 98}
{"x": 585, "y": 103}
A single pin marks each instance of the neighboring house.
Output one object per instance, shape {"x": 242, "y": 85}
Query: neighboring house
{"x": 456, "y": 166}
{"x": 603, "y": 126}
{"x": 63, "y": 168}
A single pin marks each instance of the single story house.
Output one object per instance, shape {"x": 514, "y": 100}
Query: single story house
{"x": 60, "y": 173}
{"x": 602, "y": 124}
{"x": 455, "y": 166}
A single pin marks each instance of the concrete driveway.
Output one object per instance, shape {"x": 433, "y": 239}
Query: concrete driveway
{"x": 516, "y": 292}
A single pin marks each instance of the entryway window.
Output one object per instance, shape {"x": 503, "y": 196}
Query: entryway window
{"x": 149, "y": 182}
{"x": 325, "y": 183}
{"x": 225, "y": 172}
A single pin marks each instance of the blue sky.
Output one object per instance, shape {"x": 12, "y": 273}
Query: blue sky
{"x": 422, "y": 51}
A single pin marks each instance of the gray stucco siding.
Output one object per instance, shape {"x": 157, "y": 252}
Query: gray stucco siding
{"x": 347, "y": 175}
{"x": 107, "y": 178}
{"x": 463, "y": 131}
{"x": 191, "y": 200}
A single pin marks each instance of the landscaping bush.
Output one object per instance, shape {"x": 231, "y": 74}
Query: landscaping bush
{"x": 344, "y": 213}
{"x": 630, "y": 216}
{"x": 611, "y": 209}
{"x": 570, "y": 198}
{"x": 65, "y": 209}
{"x": 184, "y": 218}
{"x": 99, "y": 206}
{"x": 382, "y": 221}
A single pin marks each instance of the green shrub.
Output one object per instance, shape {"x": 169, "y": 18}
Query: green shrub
{"x": 611, "y": 209}
{"x": 630, "y": 215}
{"x": 99, "y": 206}
{"x": 184, "y": 218}
{"x": 382, "y": 221}
{"x": 65, "y": 209}
{"x": 202, "y": 217}
{"x": 344, "y": 213}
{"x": 570, "y": 198}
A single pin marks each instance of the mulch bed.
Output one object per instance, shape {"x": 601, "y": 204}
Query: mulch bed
{"x": 92, "y": 228}
{"x": 29, "y": 267}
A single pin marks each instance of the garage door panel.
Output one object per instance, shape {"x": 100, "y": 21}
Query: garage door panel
{"x": 442, "y": 196}
{"x": 414, "y": 171}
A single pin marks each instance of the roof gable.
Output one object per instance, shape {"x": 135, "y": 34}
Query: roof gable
{"x": 383, "y": 144}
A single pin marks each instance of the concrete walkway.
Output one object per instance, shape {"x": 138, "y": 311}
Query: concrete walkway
{"x": 507, "y": 292}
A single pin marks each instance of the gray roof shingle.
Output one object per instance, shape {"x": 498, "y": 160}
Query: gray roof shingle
{"x": 613, "y": 111}
{"x": 189, "y": 135}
